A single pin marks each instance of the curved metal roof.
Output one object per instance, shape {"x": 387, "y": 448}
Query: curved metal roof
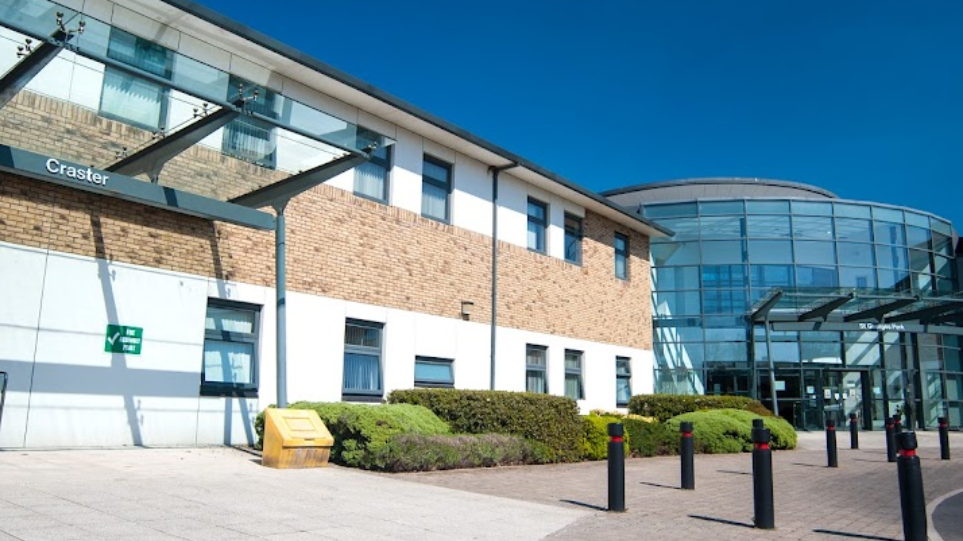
{"x": 714, "y": 188}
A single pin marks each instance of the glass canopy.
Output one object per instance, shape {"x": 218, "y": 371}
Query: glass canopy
{"x": 854, "y": 305}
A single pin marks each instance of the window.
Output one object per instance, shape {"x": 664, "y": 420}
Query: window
{"x": 230, "y": 349}
{"x": 573, "y": 239}
{"x": 434, "y": 372}
{"x": 573, "y": 375}
{"x": 362, "y": 360}
{"x": 435, "y": 189}
{"x": 247, "y": 138}
{"x": 535, "y": 369}
{"x": 129, "y": 98}
{"x": 371, "y": 177}
{"x": 537, "y": 223}
{"x": 623, "y": 381}
{"x": 621, "y": 256}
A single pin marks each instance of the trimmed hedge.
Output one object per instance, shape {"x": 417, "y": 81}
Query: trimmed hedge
{"x": 730, "y": 430}
{"x": 362, "y": 431}
{"x": 595, "y": 441}
{"x": 666, "y": 406}
{"x": 650, "y": 438}
{"x": 552, "y": 421}
{"x": 418, "y": 452}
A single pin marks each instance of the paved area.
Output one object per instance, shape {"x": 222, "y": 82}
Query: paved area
{"x": 224, "y": 494}
{"x": 857, "y": 500}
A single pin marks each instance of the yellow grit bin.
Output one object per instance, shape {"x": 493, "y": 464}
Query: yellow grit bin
{"x": 295, "y": 439}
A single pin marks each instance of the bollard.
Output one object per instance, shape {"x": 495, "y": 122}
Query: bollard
{"x": 616, "y": 467}
{"x": 911, "y": 496}
{"x": 831, "y": 453}
{"x": 944, "y": 439}
{"x": 687, "y": 449}
{"x": 890, "y": 440}
{"x": 762, "y": 478}
{"x": 897, "y": 427}
{"x": 758, "y": 423}
{"x": 853, "y": 432}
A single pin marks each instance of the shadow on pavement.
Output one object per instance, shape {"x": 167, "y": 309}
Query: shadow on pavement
{"x": 855, "y": 535}
{"x": 735, "y": 472}
{"x": 658, "y": 485}
{"x": 583, "y": 504}
{"x": 803, "y": 464}
{"x": 723, "y": 521}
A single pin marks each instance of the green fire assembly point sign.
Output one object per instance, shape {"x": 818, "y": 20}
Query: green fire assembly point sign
{"x": 123, "y": 339}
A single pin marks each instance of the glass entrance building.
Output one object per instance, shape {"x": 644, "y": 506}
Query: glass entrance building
{"x": 818, "y": 306}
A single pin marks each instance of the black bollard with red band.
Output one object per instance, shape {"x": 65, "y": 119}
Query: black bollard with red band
{"x": 944, "y": 439}
{"x": 890, "y": 440}
{"x": 616, "y": 467}
{"x": 764, "y": 516}
{"x": 897, "y": 424}
{"x": 853, "y": 431}
{"x": 911, "y": 495}
{"x": 831, "y": 452}
{"x": 687, "y": 450}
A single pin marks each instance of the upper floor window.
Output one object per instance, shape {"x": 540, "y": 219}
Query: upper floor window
{"x": 573, "y": 239}
{"x": 246, "y": 137}
{"x": 537, "y": 224}
{"x": 434, "y": 372}
{"x": 435, "y": 189}
{"x": 133, "y": 99}
{"x": 362, "y": 360}
{"x": 371, "y": 177}
{"x": 536, "y": 358}
{"x": 230, "y": 349}
{"x": 573, "y": 375}
{"x": 621, "y": 256}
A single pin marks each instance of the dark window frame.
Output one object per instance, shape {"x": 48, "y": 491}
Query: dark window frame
{"x": 543, "y": 368}
{"x": 622, "y": 254}
{"x": 435, "y": 384}
{"x": 380, "y": 161}
{"x": 438, "y": 183}
{"x": 246, "y": 390}
{"x": 575, "y": 235}
{"x": 627, "y": 376}
{"x": 364, "y": 395}
{"x": 575, "y": 372}
{"x": 541, "y": 223}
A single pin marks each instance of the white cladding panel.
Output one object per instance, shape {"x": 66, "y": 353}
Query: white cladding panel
{"x": 81, "y": 396}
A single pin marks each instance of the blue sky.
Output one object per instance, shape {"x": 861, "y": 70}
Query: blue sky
{"x": 861, "y": 97}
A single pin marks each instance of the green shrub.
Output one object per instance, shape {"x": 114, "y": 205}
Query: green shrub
{"x": 667, "y": 406}
{"x": 419, "y": 452}
{"x": 360, "y": 431}
{"x": 650, "y": 438}
{"x": 730, "y": 430}
{"x": 595, "y": 441}
{"x": 552, "y": 421}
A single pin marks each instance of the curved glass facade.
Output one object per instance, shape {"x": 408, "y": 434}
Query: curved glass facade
{"x": 728, "y": 254}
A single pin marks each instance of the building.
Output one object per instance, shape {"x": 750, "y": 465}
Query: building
{"x": 157, "y": 160}
{"x": 859, "y": 303}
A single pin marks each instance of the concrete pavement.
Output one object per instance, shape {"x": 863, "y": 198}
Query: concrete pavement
{"x": 224, "y": 494}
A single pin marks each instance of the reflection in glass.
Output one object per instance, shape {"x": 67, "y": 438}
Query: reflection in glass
{"x": 816, "y": 276}
{"x": 857, "y": 277}
{"x": 733, "y": 276}
{"x": 888, "y": 233}
{"x": 682, "y": 253}
{"x": 768, "y": 226}
{"x": 810, "y": 227}
{"x": 770, "y": 251}
{"x": 722, "y": 227}
{"x": 815, "y": 252}
{"x": 852, "y": 229}
{"x": 676, "y": 278}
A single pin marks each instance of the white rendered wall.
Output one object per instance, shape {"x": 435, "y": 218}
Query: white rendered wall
{"x": 66, "y": 391}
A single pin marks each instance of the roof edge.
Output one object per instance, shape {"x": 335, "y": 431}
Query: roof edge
{"x": 721, "y": 180}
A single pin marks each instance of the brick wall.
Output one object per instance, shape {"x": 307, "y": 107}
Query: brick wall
{"x": 339, "y": 245}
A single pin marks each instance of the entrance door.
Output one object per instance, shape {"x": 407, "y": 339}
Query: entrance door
{"x": 834, "y": 394}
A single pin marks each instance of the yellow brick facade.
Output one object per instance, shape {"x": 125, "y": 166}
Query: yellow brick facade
{"x": 339, "y": 245}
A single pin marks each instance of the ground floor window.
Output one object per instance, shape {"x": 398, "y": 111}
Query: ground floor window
{"x": 434, "y": 372}
{"x": 573, "y": 375}
{"x": 230, "y": 349}
{"x": 623, "y": 381}
{"x": 362, "y": 360}
{"x": 536, "y": 369}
